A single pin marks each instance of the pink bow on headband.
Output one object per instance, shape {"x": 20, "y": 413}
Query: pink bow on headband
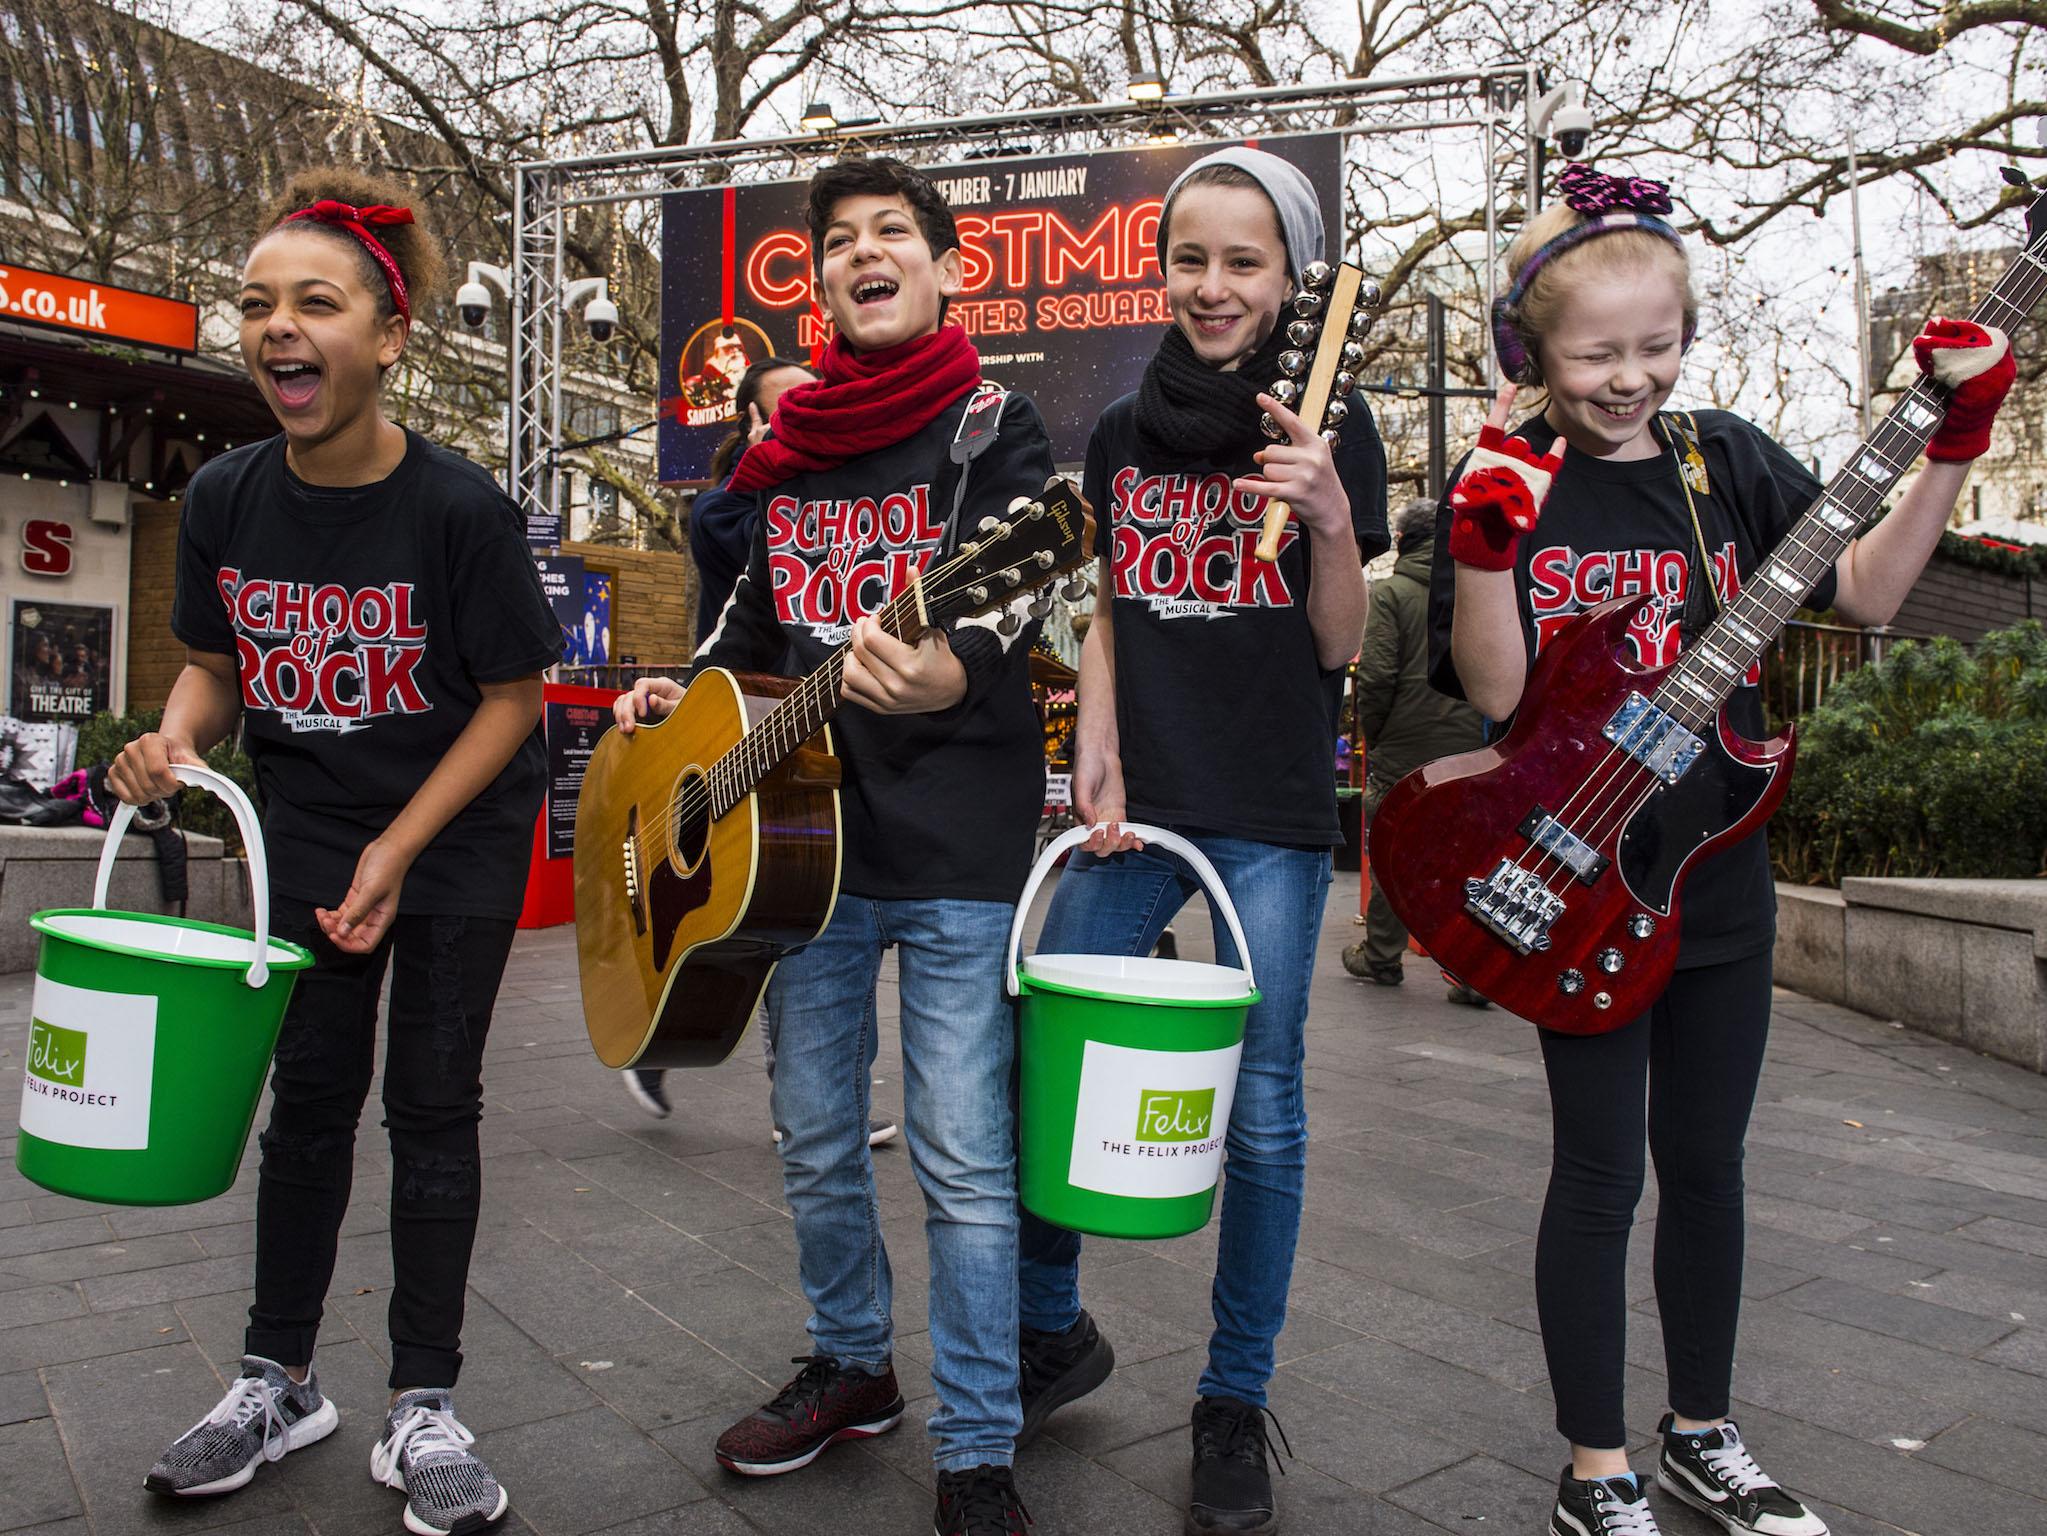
{"x": 358, "y": 221}
{"x": 1595, "y": 192}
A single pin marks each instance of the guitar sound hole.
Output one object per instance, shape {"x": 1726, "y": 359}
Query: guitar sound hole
{"x": 691, "y": 818}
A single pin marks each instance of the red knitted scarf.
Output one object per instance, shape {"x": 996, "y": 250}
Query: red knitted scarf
{"x": 864, "y": 401}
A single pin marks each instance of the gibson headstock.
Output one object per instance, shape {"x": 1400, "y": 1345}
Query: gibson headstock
{"x": 1047, "y": 537}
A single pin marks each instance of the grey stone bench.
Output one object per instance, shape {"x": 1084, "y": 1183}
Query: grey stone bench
{"x": 1965, "y": 960}
{"x": 54, "y": 867}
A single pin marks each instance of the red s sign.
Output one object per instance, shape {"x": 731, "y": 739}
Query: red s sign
{"x": 46, "y": 548}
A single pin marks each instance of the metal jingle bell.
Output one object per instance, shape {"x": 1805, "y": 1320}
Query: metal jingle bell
{"x": 1333, "y": 414}
{"x": 1317, "y": 274}
{"x": 1352, "y": 357}
{"x": 1344, "y": 382}
{"x": 1285, "y": 391}
{"x": 1369, "y": 295}
{"x": 1310, "y": 303}
{"x": 1331, "y": 436}
{"x": 1293, "y": 363}
{"x": 1271, "y": 428}
{"x": 1360, "y": 322}
{"x": 1302, "y": 333}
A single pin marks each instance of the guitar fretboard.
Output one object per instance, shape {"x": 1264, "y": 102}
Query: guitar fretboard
{"x": 1712, "y": 667}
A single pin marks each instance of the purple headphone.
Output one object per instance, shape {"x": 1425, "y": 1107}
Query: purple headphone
{"x": 1611, "y": 204}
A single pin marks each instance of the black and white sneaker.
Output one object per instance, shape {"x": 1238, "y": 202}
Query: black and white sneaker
{"x": 1713, "y": 1472}
{"x": 1601, "y": 1506}
{"x": 648, "y": 1088}
{"x": 426, "y": 1455}
{"x": 264, "y": 1416}
{"x": 1054, "y": 1369}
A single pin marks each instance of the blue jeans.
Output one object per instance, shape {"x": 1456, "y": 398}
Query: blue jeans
{"x": 1119, "y": 906}
{"x": 959, "y": 1047}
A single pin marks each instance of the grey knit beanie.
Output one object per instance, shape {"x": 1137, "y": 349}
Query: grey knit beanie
{"x": 1293, "y": 197}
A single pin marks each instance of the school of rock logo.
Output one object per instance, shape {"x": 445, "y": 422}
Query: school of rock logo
{"x": 832, "y": 562}
{"x": 1562, "y": 583}
{"x": 325, "y": 658}
{"x": 1183, "y": 546}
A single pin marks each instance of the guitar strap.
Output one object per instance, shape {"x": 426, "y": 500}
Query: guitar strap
{"x": 1691, "y": 472}
{"x": 980, "y": 425}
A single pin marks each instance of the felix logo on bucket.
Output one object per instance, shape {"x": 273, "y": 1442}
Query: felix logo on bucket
{"x": 323, "y": 657}
{"x": 1169, "y": 1115}
{"x": 56, "y": 1055}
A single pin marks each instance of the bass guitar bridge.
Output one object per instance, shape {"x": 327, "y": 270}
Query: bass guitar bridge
{"x": 1513, "y": 903}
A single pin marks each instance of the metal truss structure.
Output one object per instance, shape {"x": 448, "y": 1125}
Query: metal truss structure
{"x": 1495, "y": 101}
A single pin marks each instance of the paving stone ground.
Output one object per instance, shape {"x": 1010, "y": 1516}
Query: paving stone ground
{"x": 634, "y": 1290}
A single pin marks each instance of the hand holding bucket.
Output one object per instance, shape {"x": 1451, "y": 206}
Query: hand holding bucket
{"x": 150, "y": 1037}
{"x": 1128, "y": 1071}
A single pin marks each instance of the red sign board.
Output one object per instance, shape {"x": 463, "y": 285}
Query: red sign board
{"x": 98, "y": 309}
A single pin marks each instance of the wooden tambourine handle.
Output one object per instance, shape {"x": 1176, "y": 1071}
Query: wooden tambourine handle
{"x": 1336, "y": 312}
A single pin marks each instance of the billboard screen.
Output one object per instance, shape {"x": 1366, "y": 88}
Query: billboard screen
{"x": 1063, "y": 293}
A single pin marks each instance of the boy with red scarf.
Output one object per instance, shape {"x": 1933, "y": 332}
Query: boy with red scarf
{"x": 859, "y": 484}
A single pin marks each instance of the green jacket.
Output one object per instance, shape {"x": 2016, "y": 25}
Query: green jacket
{"x": 1404, "y": 721}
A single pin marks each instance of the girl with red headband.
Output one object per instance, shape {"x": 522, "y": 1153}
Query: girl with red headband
{"x": 363, "y": 602}
{"x": 1602, "y": 493}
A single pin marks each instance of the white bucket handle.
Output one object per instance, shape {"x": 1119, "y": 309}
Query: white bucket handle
{"x": 1172, "y": 842}
{"x": 225, "y": 788}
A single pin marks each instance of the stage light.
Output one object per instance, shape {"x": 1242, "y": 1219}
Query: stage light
{"x": 817, "y": 118}
{"x": 1163, "y": 135}
{"x": 1148, "y": 86}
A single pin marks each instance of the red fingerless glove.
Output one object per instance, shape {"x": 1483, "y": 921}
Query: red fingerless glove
{"x": 1975, "y": 362}
{"x": 1498, "y": 498}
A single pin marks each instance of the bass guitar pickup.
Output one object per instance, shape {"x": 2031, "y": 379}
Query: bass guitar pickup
{"x": 1653, "y": 738}
{"x": 1564, "y": 845}
{"x": 1513, "y": 903}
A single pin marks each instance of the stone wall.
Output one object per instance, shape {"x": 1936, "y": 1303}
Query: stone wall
{"x": 44, "y": 867}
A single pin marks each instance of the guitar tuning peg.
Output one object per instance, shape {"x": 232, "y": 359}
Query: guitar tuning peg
{"x": 1344, "y": 382}
{"x": 1308, "y": 303}
{"x": 1285, "y": 391}
{"x": 1317, "y": 274}
{"x": 1334, "y": 413}
{"x": 1009, "y": 623}
{"x": 1041, "y": 605}
{"x": 1360, "y": 323}
{"x": 1271, "y": 428}
{"x": 989, "y": 524}
{"x": 1075, "y": 589}
{"x": 1302, "y": 333}
{"x": 1292, "y": 363}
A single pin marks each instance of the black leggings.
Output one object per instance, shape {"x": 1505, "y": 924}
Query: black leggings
{"x": 1699, "y": 1053}
{"x": 444, "y": 982}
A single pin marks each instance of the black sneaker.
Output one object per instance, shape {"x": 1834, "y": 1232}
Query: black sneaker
{"x": 822, "y": 1404}
{"x": 1055, "y": 1369}
{"x": 1232, "y": 1490}
{"x": 980, "y": 1501}
{"x": 1601, "y": 1506}
{"x": 648, "y": 1089}
{"x": 1714, "y": 1473}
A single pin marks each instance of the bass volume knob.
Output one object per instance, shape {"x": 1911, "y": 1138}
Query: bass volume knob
{"x": 1571, "y": 982}
{"x": 1610, "y": 961}
{"x": 1641, "y": 925}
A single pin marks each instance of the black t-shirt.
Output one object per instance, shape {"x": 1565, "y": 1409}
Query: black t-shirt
{"x": 1224, "y": 716}
{"x": 1576, "y": 559}
{"x": 931, "y": 805}
{"x": 362, "y": 621}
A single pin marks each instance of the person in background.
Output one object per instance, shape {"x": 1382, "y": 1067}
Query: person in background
{"x": 1404, "y": 722}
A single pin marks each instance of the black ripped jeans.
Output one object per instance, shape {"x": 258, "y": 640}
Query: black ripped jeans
{"x": 444, "y": 982}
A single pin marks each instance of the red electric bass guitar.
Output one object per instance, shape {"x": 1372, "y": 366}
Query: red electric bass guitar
{"x": 1544, "y": 870}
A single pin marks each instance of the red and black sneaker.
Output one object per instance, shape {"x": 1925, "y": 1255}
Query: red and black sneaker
{"x": 981, "y": 1501}
{"x": 822, "y": 1404}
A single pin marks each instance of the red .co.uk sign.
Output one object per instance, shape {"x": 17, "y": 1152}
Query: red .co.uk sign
{"x": 98, "y": 309}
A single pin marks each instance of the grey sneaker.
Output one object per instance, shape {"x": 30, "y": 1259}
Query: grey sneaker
{"x": 264, "y": 1415}
{"x": 426, "y": 1454}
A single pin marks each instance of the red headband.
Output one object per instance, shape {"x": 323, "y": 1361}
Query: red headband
{"x": 357, "y": 222}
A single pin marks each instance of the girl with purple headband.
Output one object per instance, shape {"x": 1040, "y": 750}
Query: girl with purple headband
{"x": 361, "y": 601}
{"x": 1600, "y": 494}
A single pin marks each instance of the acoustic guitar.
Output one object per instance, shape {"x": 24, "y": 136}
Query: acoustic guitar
{"x": 1544, "y": 870}
{"x": 707, "y": 843}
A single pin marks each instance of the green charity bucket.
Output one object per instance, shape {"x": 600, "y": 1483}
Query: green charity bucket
{"x": 149, "y": 1037}
{"x": 1128, "y": 1070}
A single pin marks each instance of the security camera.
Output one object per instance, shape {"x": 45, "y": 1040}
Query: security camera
{"x": 1572, "y": 129}
{"x": 601, "y": 315}
{"x": 472, "y": 303}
